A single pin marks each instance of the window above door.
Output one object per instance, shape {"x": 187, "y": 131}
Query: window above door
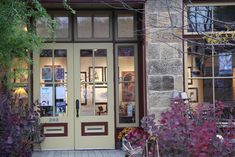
{"x": 90, "y": 26}
{"x": 93, "y": 26}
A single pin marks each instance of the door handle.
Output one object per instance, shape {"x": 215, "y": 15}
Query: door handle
{"x": 77, "y": 108}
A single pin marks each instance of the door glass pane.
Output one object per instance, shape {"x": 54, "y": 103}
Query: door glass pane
{"x": 62, "y": 27}
{"x": 60, "y": 65}
{"x": 87, "y": 101}
{"x": 126, "y": 72}
{"x": 100, "y": 65}
{"x": 125, "y": 24}
{"x": 101, "y": 99}
{"x": 86, "y": 84}
{"x": 46, "y": 66}
{"x": 46, "y": 99}
{"x": 101, "y": 26}
{"x": 101, "y": 92}
{"x": 84, "y": 26}
{"x": 61, "y": 102}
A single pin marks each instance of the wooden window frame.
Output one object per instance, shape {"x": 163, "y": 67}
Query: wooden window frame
{"x": 134, "y": 29}
{"x": 92, "y": 14}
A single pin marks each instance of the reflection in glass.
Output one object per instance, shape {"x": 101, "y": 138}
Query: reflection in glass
{"x": 225, "y": 92}
{"x": 101, "y": 27}
{"x": 42, "y": 28}
{"x": 84, "y": 26}
{"x": 199, "y": 19}
{"x": 87, "y": 101}
{"x": 199, "y": 58}
{"x": 224, "y": 18}
{"x": 125, "y": 26}
{"x": 62, "y": 27}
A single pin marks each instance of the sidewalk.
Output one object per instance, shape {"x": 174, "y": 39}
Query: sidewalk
{"x": 80, "y": 153}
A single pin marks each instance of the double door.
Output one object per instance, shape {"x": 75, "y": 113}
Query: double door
{"x": 76, "y": 93}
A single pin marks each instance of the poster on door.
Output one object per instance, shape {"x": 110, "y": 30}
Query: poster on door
{"x": 46, "y": 96}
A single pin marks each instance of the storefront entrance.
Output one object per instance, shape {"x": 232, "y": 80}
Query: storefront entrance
{"x": 75, "y": 88}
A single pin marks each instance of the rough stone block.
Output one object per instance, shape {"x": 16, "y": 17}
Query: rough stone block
{"x": 166, "y": 35}
{"x": 170, "y": 50}
{"x": 151, "y": 20}
{"x": 163, "y": 5}
{"x": 159, "y": 99}
{"x": 163, "y": 67}
{"x": 155, "y": 83}
{"x": 161, "y": 83}
{"x": 167, "y": 83}
{"x": 178, "y": 83}
{"x": 153, "y": 51}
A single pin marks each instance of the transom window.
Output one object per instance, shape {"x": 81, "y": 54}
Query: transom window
{"x": 90, "y": 26}
{"x": 62, "y": 27}
{"x": 93, "y": 26}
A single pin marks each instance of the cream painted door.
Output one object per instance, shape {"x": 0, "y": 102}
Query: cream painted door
{"x": 93, "y": 96}
{"x": 53, "y": 87}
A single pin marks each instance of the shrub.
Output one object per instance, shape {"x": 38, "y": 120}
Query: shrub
{"x": 16, "y": 129}
{"x": 195, "y": 135}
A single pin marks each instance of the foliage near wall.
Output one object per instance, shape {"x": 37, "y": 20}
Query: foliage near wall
{"x": 18, "y": 37}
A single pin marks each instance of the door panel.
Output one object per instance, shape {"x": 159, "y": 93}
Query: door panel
{"x": 53, "y": 87}
{"x": 93, "y": 87}
{"x": 74, "y": 84}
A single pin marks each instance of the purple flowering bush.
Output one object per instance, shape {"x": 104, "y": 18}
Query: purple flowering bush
{"x": 194, "y": 135}
{"x": 15, "y": 129}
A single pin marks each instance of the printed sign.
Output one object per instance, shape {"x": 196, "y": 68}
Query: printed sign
{"x": 46, "y": 96}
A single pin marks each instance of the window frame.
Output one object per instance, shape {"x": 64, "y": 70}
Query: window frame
{"x": 134, "y": 24}
{"x": 116, "y": 74}
{"x": 185, "y": 17}
{"x": 212, "y": 78}
{"x": 54, "y": 14}
{"x": 92, "y": 15}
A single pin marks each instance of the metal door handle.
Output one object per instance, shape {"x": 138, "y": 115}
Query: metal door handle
{"x": 77, "y": 108}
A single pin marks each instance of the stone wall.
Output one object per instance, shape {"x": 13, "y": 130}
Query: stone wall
{"x": 164, "y": 52}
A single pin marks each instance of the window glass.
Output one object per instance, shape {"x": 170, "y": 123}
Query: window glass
{"x": 93, "y": 82}
{"x": 224, "y": 18}
{"x": 224, "y": 58}
{"x": 62, "y": 27}
{"x": 211, "y": 75}
{"x": 53, "y": 78}
{"x": 42, "y": 28}
{"x": 84, "y": 26}
{"x": 199, "y": 19}
{"x": 101, "y": 26}
{"x": 199, "y": 58}
{"x": 127, "y": 84}
{"x": 125, "y": 25}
